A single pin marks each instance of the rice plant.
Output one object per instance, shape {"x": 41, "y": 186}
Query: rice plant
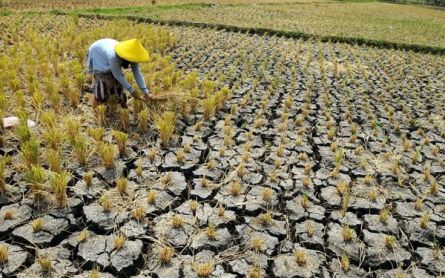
{"x": 165, "y": 255}
{"x": 29, "y": 151}
{"x": 4, "y": 254}
{"x": 106, "y": 153}
{"x": 59, "y": 183}
{"x": 54, "y": 160}
{"x": 37, "y": 224}
{"x": 119, "y": 241}
{"x": 122, "y": 185}
{"x": 96, "y": 133}
{"x": 121, "y": 140}
{"x": 80, "y": 150}
{"x": 165, "y": 124}
{"x": 143, "y": 118}
{"x": 124, "y": 118}
{"x": 100, "y": 113}
{"x": 3, "y": 163}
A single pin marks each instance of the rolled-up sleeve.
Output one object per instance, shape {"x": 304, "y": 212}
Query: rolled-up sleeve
{"x": 139, "y": 78}
{"x": 116, "y": 70}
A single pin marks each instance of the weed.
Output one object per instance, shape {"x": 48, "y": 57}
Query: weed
{"x": 37, "y": 225}
{"x": 119, "y": 241}
{"x": 122, "y": 185}
{"x": 165, "y": 124}
{"x": 166, "y": 255}
{"x": 121, "y": 140}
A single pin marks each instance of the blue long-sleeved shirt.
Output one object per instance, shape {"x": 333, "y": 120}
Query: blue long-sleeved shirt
{"x": 103, "y": 58}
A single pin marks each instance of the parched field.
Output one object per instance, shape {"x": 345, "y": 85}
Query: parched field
{"x": 276, "y": 157}
{"x": 42, "y": 5}
{"x": 378, "y": 21}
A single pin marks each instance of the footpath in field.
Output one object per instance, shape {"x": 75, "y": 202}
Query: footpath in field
{"x": 324, "y": 159}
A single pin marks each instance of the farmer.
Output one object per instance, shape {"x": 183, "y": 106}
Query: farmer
{"x": 105, "y": 60}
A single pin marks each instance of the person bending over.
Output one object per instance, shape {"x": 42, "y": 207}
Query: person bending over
{"x": 105, "y": 60}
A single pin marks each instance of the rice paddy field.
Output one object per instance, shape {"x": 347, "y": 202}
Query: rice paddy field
{"x": 270, "y": 156}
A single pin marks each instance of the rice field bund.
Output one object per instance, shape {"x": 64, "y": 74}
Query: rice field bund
{"x": 259, "y": 156}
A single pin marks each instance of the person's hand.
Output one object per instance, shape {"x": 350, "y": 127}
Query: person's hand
{"x": 149, "y": 96}
{"x": 138, "y": 95}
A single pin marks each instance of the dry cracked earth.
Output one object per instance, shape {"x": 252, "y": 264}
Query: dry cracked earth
{"x": 327, "y": 161}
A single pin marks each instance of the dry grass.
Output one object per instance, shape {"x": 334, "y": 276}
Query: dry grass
{"x": 4, "y": 254}
{"x": 166, "y": 254}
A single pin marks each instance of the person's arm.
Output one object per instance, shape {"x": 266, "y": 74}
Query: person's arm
{"x": 116, "y": 70}
{"x": 139, "y": 78}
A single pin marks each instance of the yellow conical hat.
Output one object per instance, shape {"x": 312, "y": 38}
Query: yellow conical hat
{"x": 132, "y": 51}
